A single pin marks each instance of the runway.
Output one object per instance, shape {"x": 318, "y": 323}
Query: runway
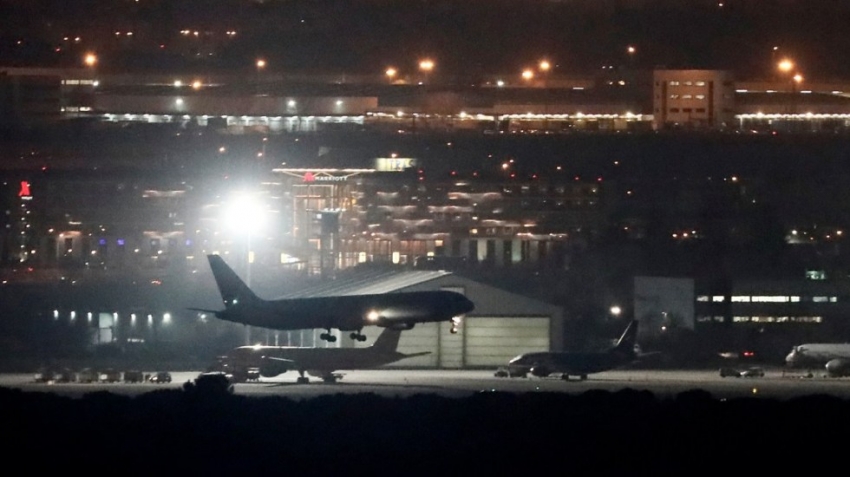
{"x": 776, "y": 384}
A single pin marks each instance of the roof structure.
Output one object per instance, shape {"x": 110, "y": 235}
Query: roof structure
{"x": 366, "y": 282}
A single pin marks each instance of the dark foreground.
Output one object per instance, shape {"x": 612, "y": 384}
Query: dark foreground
{"x": 208, "y": 430}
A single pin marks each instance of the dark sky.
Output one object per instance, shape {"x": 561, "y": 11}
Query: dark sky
{"x": 469, "y": 37}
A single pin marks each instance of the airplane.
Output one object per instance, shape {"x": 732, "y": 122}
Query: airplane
{"x": 834, "y": 357}
{"x": 399, "y": 310}
{"x": 247, "y": 363}
{"x": 542, "y": 364}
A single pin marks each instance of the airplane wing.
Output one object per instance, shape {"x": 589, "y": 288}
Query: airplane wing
{"x": 280, "y": 360}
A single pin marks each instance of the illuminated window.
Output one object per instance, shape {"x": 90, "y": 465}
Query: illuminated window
{"x": 741, "y": 298}
{"x": 771, "y": 299}
{"x": 702, "y": 298}
{"x": 718, "y": 298}
{"x": 740, "y": 319}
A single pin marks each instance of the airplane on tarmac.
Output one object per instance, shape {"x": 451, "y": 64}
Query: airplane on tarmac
{"x": 400, "y": 310}
{"x": 834, "y": 357}
{"x": 579, "y": 364}
{"x": 250, "y": 362}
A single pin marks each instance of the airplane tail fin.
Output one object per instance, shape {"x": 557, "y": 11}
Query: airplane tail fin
{"x": 628, "y": 339}
{"x": 233, "y": 290}
{"x": 387, "y": 340}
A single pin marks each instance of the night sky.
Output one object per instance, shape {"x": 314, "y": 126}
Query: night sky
{"x": 466, "y": 38}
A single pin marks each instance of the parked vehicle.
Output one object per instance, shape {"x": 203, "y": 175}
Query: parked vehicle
{"x": 133, "y": 376}
{"x": 44, "y": 375}
{"x": 729, "y": 372}
{"x": 87, "y": 375}
{"x": 753, "y": 372}
{"x": 110, "y": 375}
{"x": 161, "y": 377}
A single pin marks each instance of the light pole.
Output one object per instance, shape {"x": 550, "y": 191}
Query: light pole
{"x": 426, "y": 66}
{"x": 261, "y": 65}
{"x": 245, "y": 215}
{"x": 391, "y": 74}
{"x": 544, "y": 66}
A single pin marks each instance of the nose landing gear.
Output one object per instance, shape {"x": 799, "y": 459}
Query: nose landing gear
{"x": 455, "y": 324}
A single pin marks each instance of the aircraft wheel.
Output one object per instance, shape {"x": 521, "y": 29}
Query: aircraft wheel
{"x": 565, "y": 377}
{"x": 331, "y": 338}
{"x": 302, "y": 380}
{"x": 453, "y": 330}
{"x": 361, "y": 338}
{"x": 583, "y": 377}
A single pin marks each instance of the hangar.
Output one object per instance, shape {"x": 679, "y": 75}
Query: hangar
{"x": 503, "y": 324}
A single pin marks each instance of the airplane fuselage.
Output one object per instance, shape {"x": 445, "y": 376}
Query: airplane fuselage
{"x": 570, "y": 364}
{"x": 817, "y": 354}
{"x": 350, "y": 312}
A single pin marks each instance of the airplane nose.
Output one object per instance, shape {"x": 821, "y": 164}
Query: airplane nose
{"x": 792, "y": 358}
{"x": 467, "y": 305}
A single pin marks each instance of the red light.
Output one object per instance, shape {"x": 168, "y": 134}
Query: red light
{"x": 598, "y": 179}
{"x": 577, "y": 178}
{"x": 748, "y": 353}
{"x": 25, "y": 189}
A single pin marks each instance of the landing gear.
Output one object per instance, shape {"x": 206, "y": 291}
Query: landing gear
{"x": 328, "y": 336}
{"x": 565, "y": 377}
{"x": 302, "y": 379}
{"x": 356, "y": 335}
{"x": 455, "y": 324}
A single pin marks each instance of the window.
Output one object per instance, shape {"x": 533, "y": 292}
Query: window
{"x": 687, "y": 96}
{"x": 686, "y": 110}
{"x": 674, "y": 96}
{"x": 699, "y": 83}
{"x": 700, "y": 110}
{"x": 700, "y": 96}
{"x": 674, "y": 110}
{"x": 674, "y": 83}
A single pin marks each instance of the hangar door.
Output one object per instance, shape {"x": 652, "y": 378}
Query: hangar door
{"x": 494, "y": 341}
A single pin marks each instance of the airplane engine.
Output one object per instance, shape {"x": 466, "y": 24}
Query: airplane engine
{"x": 270, "y": 368}
{"x": 838, "y": 368}
{"x": 540, "y": 371}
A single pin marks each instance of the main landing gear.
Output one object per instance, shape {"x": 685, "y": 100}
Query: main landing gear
{"x": 328, "y": 336}
{"x": 356, "y": 335}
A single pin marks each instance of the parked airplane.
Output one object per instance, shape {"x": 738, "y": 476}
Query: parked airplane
{"x": 250, "y": 362}
{"x": 400, "y": 311}
{"x": 579, "y": 364}
{"x": 834, "y": 357}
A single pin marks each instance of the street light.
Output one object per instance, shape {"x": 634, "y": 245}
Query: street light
{"x": 245, "y": 215}
{"x": 261, "y": 65}
{"x": 90, "y": 59}
{"x": 391, "y": 73}
{"x": 426, "y": 66}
